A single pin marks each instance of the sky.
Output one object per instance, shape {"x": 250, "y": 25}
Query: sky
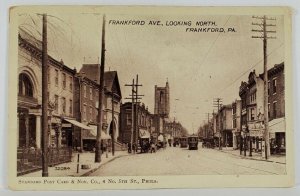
{"x": 199, "y": 66}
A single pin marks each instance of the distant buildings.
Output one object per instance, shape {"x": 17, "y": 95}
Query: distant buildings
{"x": 241, "y": 124}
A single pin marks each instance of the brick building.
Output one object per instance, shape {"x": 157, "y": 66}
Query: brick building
{"x": 144, "y": 120}
{"x": 87, "y": 102}
{"x": 276, "y": 107}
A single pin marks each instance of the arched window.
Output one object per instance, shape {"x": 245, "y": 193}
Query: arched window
{"x": 25, "y": 86}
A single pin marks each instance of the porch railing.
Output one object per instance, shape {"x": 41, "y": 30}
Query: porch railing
{"x": 30, "y": 160}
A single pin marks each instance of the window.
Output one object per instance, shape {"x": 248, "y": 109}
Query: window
{"x": 84, "y": 112}
{"x": 71, "y": 83}
{"x": 25, "y": 86}
{"x": 274, "y": 109}
{"x": 64, "y": 82}
{"x": 128, "y": 119}
{"x": 56, "y": 102}
{"x": 269, "y": 84}
{"x": 269, "y": 108}
{"x": 91, "y": 93}
{"x": 91, "y": 113}
{"x": 252, "y": 114}
{"x": 71, "y": 107}
{"x": 48, "y": 75}
{"x": 274, "y": 86}
{"x": 63, "y": 102}
{"x": 56, "y": 77}
{"x": 84, "y": 91}
{"x": 234, "y": 123}
{"x": 96, "y": 115}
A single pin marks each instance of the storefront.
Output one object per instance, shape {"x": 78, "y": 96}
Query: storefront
{"x": 277, "y": 135}
{"x": 89, "y": 138}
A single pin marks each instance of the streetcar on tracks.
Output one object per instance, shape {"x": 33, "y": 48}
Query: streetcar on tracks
{"x": 193, "y": 142}
{"x": 183, "y": 142}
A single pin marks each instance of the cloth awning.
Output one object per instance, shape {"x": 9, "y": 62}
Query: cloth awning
{"x": 78, "y": 124}
{"x": 277, "y": 125}
{"x": 144, "y": 133}
{"x": 160, "y": 137}
{"x": 104, "y": 136}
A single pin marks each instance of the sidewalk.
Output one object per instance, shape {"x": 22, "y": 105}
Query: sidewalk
{"x": 70, "y": 169}
{"x": 255, "y": 156}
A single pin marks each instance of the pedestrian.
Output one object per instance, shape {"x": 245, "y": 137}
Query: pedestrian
{"x": 129, "y": 147}
{"x": 152, "y": 147}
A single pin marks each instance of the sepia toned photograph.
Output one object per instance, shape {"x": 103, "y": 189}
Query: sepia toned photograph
{"x": 149, "y": 97}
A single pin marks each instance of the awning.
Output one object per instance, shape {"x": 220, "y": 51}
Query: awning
{"x": 277, "y": 125}
{"x": 160, "y": 137}
{"x": 144, "y": 133}
{"x": 78, "y": 124}
{"x": 93, "y": 131}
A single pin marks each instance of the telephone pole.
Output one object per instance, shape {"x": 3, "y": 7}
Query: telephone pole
{"x": 217, "y": 102}
{"x": 44, "y": 100}
{"x": 112, "y": 123}
{"x": 132, "y": 114}
{"x": 264, "y": 36}
{"x": 137, "y": 97}
{"x": 101, "y": 96}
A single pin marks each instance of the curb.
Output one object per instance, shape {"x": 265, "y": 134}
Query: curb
{"x": 96, "y": 168}
{"x": 243, "y": 157}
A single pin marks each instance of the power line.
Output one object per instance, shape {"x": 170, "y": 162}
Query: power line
{"x": 247, "y": 71}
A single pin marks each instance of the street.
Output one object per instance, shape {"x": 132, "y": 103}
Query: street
{"x": 181, "y": 161}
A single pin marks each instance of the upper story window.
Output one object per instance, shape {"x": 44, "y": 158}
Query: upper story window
{"x": 84, "y": 112}
{"x": 269, "y": 84}
{"x": 128, "y": 119}
{"x": 71, "y": 107}
{"x": 63, "y": 100}
{"x": 71, "y": 83}
{"x": 56, "y": 103}
{"x": 64, "y": 82}
{"x": 274, "y": 109}
{"x": 56, "y": 77}
{"x": 91, "y": 93}
{"x": 274, "y": 86}
{"x": 25, "y": 86}
{"x": 84, "y": 91}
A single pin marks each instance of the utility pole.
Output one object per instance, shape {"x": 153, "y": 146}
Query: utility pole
{"x": 112, "y": 123}
{"x": 44, "y": 100}
{"x": 217, "y": 102}
{"x": 264, "y": 35}
{"x": 134, "y": 111}
{"x": 101, "y": 96}
{"x": 132, "y": 114}
{"x": 137, "y": 97}
{"x": 208, "y": 128}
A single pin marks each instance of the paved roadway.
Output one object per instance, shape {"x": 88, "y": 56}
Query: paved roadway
{"x": 179, "y": 161}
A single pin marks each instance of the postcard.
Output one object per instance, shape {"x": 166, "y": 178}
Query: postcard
{"x": 148, "y": 97}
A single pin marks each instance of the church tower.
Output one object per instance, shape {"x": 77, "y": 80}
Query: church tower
{"x": 162, "y": 100}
